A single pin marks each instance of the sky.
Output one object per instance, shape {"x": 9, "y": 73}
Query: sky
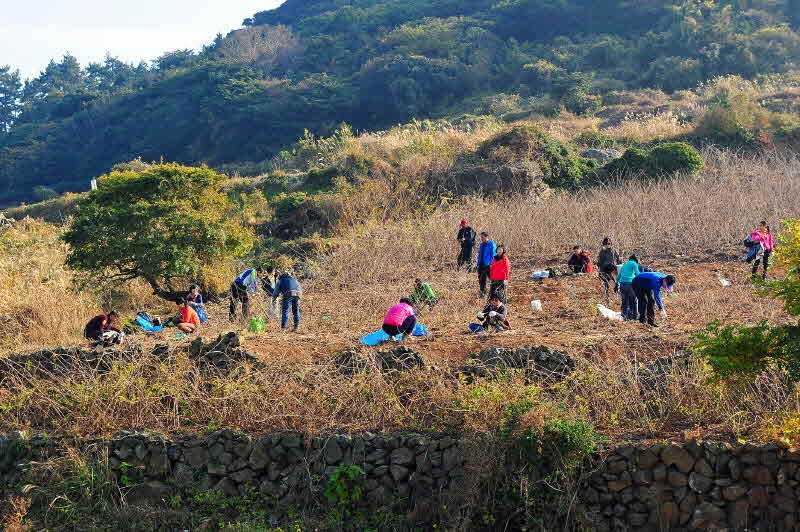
{"x": 34, "y": 31}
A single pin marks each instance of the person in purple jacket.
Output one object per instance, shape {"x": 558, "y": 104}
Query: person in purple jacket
{"x": 648, "y": 287}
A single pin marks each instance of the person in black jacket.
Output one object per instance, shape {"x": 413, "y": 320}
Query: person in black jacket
{"x": 466, "y": 236}
{"x": 607, "y": 261}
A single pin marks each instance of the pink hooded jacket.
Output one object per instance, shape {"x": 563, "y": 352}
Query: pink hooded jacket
{"x": 765, "y": 239}
{"x": 398, "y": 314}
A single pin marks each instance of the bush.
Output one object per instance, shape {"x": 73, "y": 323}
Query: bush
{"x": 562, "y": 168}
{"x": 664, "y": 160}
{"x": 674, "y": 157}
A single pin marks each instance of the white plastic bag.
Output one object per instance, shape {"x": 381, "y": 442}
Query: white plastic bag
{"x": 541, "y": 274}
{"x": 536, "y": 305}
{"x": 725, "y": 282}
{"x": 609, "y": 314}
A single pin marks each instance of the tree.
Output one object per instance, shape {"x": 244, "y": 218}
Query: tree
{"x": 65, "y": 77}
{"x": 10, "y": 92}
{"x": 166, "y": 224}
{"x": 262, "y": 47}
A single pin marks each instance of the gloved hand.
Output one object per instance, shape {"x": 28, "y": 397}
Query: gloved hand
{"x": 493, "y": 314}
{"x": 481, "y": 315}
{"x": 663, "y": 313}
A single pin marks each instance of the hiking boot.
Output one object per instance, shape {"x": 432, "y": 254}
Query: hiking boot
{"x": 652, "y": 324}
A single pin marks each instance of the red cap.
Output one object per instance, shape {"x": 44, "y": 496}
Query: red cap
{"x": 463, "y": 223}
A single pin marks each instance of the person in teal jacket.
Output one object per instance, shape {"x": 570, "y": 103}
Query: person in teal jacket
{"x": 625, "y": 276}
{"x": 486, "y": 253}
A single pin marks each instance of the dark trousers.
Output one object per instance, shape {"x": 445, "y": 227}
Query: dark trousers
{"x": 239, "y": 293}
{"x": 607, "y": 279}
{"x": 483, "y": 278}
{"x": 465, "y": 256}
{"x": 406, "y": 328}
{"x": 630, "y": 310}
{"x": 294, "y": 302}
{"x": 647, "y": 305}
{"x": 499, "y": 289}
{"x": 763, "y": 260}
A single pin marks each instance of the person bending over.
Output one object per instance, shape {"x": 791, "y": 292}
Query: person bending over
{"x": 423, "y": 295}
{"x": 648, "y": 287}
{"x": 104, "y": 328}
{"x": 400, "y": 320}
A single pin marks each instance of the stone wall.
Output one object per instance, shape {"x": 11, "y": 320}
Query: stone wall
{"x": 662, "y": 487}
{"x": 694, "y": 486}
{"x": 402, "y": 471}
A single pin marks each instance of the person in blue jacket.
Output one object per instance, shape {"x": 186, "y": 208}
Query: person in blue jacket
{"x": 244, "y": 286}
{"x": 290, "y": 290}
{"x": 486, "y": 253}
{"x": 648, "y": 287}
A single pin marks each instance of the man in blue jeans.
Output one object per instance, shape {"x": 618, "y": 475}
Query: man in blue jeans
{"x": 290, "y": 290}
{"x": 486, "y": 255}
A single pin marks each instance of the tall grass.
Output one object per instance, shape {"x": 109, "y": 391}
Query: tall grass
{"x": 701, "y": 216}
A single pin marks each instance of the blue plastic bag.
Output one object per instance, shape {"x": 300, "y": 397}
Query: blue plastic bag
{"x": 475, "y": 328}
{"x": 379, "y": 337}
{"x": 146, "y": 325}
{"x": 201, "y": 313}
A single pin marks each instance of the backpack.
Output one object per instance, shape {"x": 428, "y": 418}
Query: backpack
{"x": 749, "y": 242}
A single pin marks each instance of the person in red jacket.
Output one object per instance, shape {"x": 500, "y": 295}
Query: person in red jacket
{"x": 499, "y": 275}
{"x": 580, "y": 261}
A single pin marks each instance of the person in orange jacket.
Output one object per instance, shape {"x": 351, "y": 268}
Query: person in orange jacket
{"x": 499, "y": 275}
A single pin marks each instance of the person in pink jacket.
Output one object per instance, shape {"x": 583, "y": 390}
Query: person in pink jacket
{"x": 764, "y": 237}
{"x": 400, "y": 319}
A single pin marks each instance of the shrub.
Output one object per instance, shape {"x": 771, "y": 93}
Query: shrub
{"x": 562, "y": 168}
{"x": 665, "y": 159}
{"x": 673, "y": 157}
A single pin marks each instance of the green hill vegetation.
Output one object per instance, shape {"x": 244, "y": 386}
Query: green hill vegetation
{"x": 244, "y": 100}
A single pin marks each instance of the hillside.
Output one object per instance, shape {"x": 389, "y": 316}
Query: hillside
{"x": 249, "y": 96}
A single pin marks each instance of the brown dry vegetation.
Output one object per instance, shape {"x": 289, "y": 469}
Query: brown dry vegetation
{"x": 689, "y": 227}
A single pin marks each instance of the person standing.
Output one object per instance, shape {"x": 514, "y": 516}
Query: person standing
{"x": 762, "y": 236}
{"x": 486, "y": 253}
{"x": 607, "y": 261}
{"x": 242, "y": 288}
{"x": 625, "y": 275}
{"x": 268, "y": 285}
{"x": 290, "y": 290}
{"x": 466, "y": 237}
{"x": 499, "y": 275}
{"x": 648, "y": 287}
{"x": 400, "y": 320}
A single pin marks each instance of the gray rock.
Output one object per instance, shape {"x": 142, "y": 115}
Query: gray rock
{"x": 196, "y": 456}
{"x": 228, "y": 487}
{"x": 675, "y": 455}
{"x": 700, "y": 483}
{"x": 399, "y": 472}
{"x": 603, "y": 157}
{"x": 259, "y": 456}
{"x": 332, "y": 452}
{"x": 402, "y": 456}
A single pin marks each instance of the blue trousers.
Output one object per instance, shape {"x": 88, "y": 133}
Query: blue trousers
{"x": 294, "y": 301}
